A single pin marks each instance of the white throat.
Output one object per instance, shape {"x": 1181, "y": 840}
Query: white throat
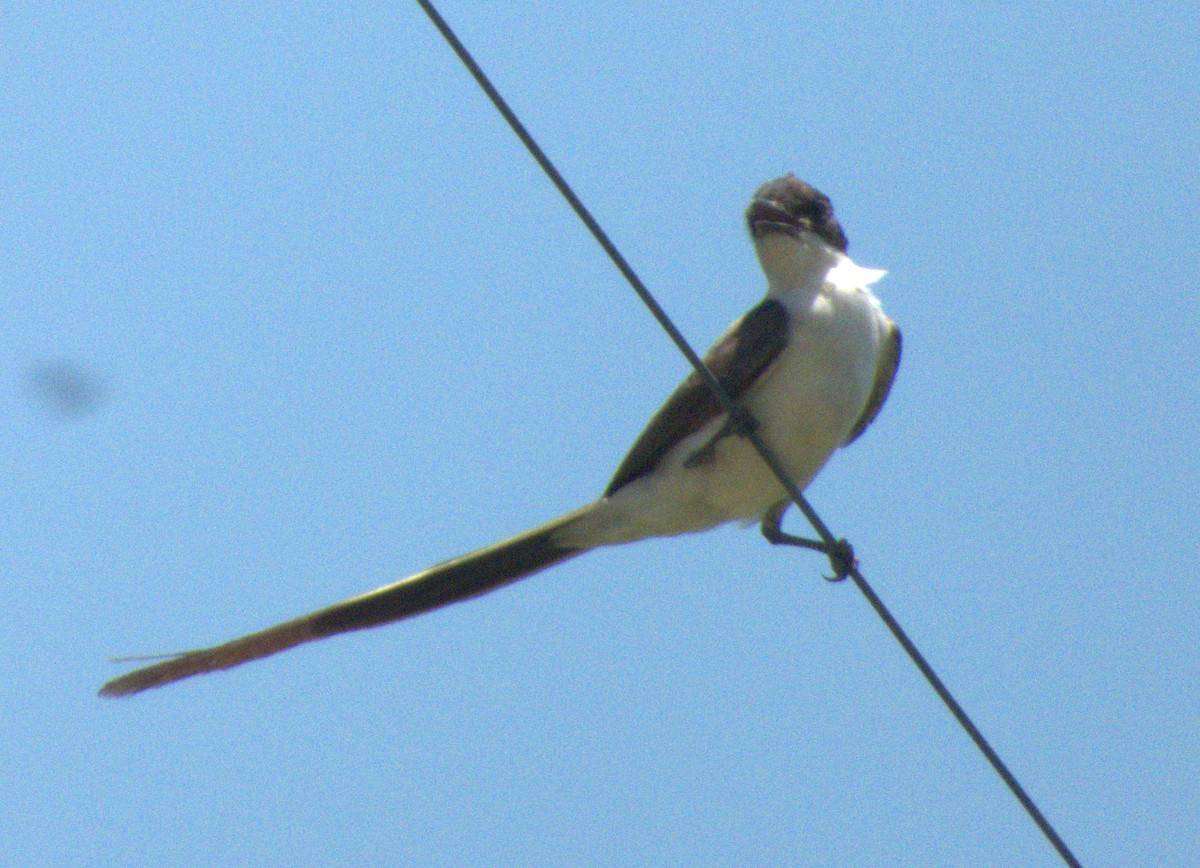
{"x": 792, "y": 263}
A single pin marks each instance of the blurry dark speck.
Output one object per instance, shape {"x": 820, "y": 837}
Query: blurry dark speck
{"x": 66, "y": 388}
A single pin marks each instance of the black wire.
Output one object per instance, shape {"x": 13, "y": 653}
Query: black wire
{"x": 749, "y": 431}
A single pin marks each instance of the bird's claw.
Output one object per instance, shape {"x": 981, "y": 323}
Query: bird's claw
{"x": 840, "y": 552}
{"x": 841, "y": 558}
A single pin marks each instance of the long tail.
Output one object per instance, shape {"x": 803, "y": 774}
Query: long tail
{"x": 460, "y": 579}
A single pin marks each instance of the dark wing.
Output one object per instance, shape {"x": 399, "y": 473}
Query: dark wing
{"x": 736, "y": 360}
{"x": 885, "y": 373}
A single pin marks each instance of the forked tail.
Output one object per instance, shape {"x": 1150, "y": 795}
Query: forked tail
{"x": 460, "y": 579}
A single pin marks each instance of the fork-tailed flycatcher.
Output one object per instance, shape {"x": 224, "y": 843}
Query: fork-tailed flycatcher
{"x": 812, "y": 363}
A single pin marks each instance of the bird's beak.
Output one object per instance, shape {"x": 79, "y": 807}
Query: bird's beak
{"x": 764, "y": 217}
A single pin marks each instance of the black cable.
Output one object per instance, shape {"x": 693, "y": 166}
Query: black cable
{"x": 835, "y": 546}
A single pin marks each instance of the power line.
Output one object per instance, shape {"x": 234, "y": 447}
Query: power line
{"x": 839, "y": 551}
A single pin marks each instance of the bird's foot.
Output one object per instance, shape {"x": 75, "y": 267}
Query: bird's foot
{"x": 840, "y": 552}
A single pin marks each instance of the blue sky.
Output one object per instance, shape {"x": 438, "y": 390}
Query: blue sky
{"x": 328, "y": 325}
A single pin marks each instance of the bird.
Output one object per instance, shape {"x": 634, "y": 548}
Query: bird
{"x": 811, "y": 364}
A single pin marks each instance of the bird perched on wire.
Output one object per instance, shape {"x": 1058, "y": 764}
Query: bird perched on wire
{"x": 811, "y": 364}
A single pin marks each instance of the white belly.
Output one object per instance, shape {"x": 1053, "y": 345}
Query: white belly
{"x": 806, "y": 404}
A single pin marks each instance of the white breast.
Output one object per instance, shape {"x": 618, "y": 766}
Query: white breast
{"x": 811, "y": 398}
{"x": 806, "y": 404}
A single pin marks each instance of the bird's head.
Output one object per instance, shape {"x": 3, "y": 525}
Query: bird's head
{"x": 795, "y": 233}
{"x": 787, "y": 206}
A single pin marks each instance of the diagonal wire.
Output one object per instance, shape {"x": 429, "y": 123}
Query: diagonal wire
{"x": 748, "y": 430}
